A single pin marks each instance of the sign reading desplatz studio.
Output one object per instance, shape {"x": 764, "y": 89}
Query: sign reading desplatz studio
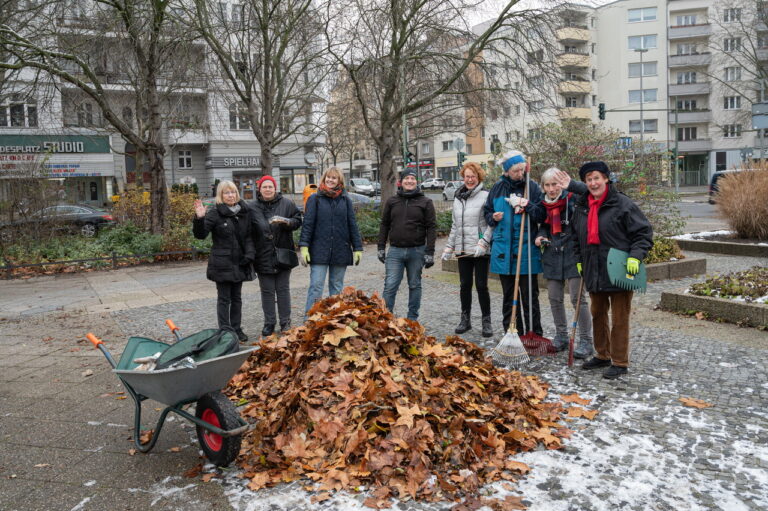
{"x": 237, "y": 162}
{"x": 40, "y": 144}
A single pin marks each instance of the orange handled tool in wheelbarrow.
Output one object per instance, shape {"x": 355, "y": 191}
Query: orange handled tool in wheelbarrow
{"x": 219, "y": 426}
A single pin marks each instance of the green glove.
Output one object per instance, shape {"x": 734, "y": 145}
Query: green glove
{"x": 356, "y": 256}
{"x": 633, "y": 265}
{"x": 305, "y": 254}
{"x": 578, "y": 268}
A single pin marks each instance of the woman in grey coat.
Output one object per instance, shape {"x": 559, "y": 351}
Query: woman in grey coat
{"x": 467, "y": 241}
{"x": 555, "y": 238}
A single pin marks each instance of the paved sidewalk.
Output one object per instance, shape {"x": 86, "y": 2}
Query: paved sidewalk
{"x": 65, "y": 429}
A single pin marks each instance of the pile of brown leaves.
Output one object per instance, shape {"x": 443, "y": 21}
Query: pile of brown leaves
{"x": 357, "y": 398}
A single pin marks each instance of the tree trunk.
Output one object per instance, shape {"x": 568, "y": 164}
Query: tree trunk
{"x": 266, "y": 159}
{"x": 158, "y": 191}
{"x": 387, "y": 145}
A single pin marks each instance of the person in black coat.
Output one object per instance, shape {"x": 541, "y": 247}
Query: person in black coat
{"x": 232, "y": 253}
{"x": 603, "y": 219}
{"x": 273, "y": 219}
{"x": 330, "y": 240}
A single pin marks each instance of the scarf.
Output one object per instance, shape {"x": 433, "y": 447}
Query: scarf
{"x": 593, "y": 236}
{"x": 463, "y": 193}
{"x": 330, "y": 192}
{"x": 234, "y": 209}
{"x": 554, "y": 208}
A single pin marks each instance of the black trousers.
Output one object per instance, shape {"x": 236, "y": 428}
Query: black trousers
{"x": 229, "y": 305}
{"x": 476, "y": 267}
{"x": 276, "y": 285}
{"x": 508, "y": 288}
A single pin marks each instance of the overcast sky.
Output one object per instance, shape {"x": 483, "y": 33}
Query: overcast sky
{"x": 491, "y": 8}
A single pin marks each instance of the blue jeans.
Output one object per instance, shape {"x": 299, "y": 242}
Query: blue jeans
{"x": 410, "y": 259}
{"x": 317, "y": 281}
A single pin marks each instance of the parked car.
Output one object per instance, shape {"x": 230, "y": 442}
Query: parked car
{"x": 362, "y": 186}
{"x": 433, "y": 183}
{"x": 713, "y": 182}
{"x": 81, "y": 218}
{"x": 450, "y": 189}
{"x": 376, "y": 188}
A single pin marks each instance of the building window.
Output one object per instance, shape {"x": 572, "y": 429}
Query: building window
{"x": 644, "y": 14}
{"x": 648, "y": 69}
{"x": 535, "y": 106}
{"x": 517, "y": 109}
{"x": 508, "y": 136}
{"x": 594, "y": 100}
{"x": 482, "y": 132}
{"x": 571, "y": 102}
{"x": 686, "y": 104}
{"x": 686, "y": 77}
{"x": 18, "y": 115}
{"x": 732, "y": 14}
{"x": 469, "y": 148}
{"x": 650, "y": 126}
{"x": 687, "y": 49}
{"x": 594, "y": 46}
{"x": 732, "y": 44}
{"x": 594, "y": 74}
{"x": 185, "y": 159}
{"x": 535, "y": 56}
{"x": 685, "y": 20}
{"x": 647, "y": 95}
{"x": 425, "y": 148}
{"x": 494, "y": 114}
{"x": 732, "y": 130}
{"x": 85, "y": 115}
{"x": 642, "y": 41}
{"x": 447, "y": 145}
{"x": 238, "y": 12}
{"x": 238, "y": 117}
{"x": 535, "y": 134}
{"x": 507, "y": 111}
{"x": 732, "y": 74}
{"x": 732, "y": 102}
{"x": 762, "y": 40}
{"x": 222, "y": 11}
{"x": 688, "y": 133}
{"x": 517, "y": 134}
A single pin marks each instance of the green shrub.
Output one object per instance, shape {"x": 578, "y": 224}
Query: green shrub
{"x": 751, "y": 285}
{"x": 742, "y": 202}
{"x": 664, "y": 249}
{"x": 128, "y": 238}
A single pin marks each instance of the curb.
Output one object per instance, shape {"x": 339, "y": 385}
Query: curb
{"x": 655, "y": 271}
{"x": 724, "y": 247}
{"x": 741, "y": 313}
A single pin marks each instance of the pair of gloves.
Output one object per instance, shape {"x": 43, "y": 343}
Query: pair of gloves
{"x": 280, "y": 220}
{"x": 357, "y": 255}
{"x": 518, "y": 203}
{"x": 429, "y": 260}
{"x": 633, "y": 266}
{"x": 481, "y": 249}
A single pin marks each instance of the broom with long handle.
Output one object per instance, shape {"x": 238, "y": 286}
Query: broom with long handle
{"x": 572, "y": 339}
{"x": 510, "y": 351}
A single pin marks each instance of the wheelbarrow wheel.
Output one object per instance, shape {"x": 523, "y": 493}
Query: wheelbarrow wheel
{"x": 215, "y": 409}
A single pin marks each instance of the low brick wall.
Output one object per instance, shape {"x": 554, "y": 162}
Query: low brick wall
{"x": 751, "y": 314}
{"x": 724, "y": 247}
{"x": 656, "y": 271}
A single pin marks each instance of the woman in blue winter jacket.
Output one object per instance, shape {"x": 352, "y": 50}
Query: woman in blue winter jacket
{"x": 330, "y": 240}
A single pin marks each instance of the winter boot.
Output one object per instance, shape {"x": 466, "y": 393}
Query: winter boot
{"x": 584, "y": 349}
{"x": 560, "y": 342}
{"x": 487, "y": 327}
{"x": 285, "y": 325}
{"x": 268, "y": 330}
{"x": 241, "y": 336}
{"x": 613, "y": 372}
{"x": 594, "y": 363}
{"x": 465, "y": 324}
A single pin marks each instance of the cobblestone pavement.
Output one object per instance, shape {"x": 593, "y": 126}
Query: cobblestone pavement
{"x": 644, "y": 450}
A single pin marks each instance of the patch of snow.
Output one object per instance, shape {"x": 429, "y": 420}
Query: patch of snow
{"x": 726, "y": 364}
{"x": 701, "y": 235}
{"x": 95, "y": 423}
{"x": 82, "y": 504}
{"x": 89, "y": 483}
{"x": 165, "y": 490}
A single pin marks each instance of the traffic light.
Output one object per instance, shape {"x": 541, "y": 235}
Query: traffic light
{"x": 460, "y": 157}
{"x": 601, "y": 111}
{"x": 409, "y": 158}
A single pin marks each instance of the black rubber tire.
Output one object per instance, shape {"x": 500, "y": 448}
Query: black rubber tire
{"x": 89, "y": 230}
{"x": 221, "y": 451}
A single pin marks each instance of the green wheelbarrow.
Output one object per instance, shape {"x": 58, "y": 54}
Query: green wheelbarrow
{"x": 219, "y": 426}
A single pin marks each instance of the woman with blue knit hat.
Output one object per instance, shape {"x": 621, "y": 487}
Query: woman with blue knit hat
{"x": 603, "y": 219}
{"x": 503, "y": 212}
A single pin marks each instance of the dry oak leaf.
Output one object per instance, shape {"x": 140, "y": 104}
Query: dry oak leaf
{"x": 259, "y": 481}
{"x": 375, "y": 503}
{"x": 406, "y": 415}
{"x": 695, "y": 403}
{"x": 577, "y": 411}
{"x": 335, "y": 337}
{"x": 207, "y": 477}
{"x": 517, "y": 466}
{"x": 194, "y": 471}
{"x": 575, "y": 398}
{"x": 320, "y": 497}
{"x": 146, "y": 436}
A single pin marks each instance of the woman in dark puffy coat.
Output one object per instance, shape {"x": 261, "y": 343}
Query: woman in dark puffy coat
{"x": 330, "y": 240}
{"x": 232, "y": 253}
{"x": 273, "y": 218}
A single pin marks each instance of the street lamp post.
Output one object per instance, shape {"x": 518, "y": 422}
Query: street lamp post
{"x": 642, "y": 100}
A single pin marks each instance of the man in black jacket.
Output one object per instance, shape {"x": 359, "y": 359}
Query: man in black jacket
{"x": 408, "y": 221}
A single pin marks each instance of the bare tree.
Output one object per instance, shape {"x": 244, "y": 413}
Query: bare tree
{"x": 412, "y": 58}
{"x": 272, "y": 64}
{"x": 130, "y": 58}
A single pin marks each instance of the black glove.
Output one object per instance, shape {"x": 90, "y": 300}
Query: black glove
{"x": 429, "y": 261}
{"x": 382, "y": 255}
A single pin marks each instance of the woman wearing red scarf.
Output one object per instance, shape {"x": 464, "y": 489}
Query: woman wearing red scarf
{"x": 558, "y": 259}
{"x": 603, "y": 219}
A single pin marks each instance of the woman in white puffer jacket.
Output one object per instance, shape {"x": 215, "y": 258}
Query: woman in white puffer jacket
{"x": 467, "y": 241}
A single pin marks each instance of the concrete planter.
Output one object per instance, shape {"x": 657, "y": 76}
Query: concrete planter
{"x": 724, "y": 247}
{"x": 751, "y": 314}
{"x": 656, "y": 271}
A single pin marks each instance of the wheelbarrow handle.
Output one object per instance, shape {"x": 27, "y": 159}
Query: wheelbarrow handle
{"x": 99, "y": 344}
{"x": 95, "y": 340}
{"x": 173, "y": 328}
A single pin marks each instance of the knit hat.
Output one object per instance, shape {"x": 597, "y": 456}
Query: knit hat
{"x": 407, "y": 172}
{"x": 265, "y": 178}
{"x": 511, "y": 158}
{"x": 591, "y": 166}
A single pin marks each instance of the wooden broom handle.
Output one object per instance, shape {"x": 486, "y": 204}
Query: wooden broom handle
{"x": 513, "y": 318}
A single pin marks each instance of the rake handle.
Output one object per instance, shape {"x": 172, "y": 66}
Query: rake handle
{"x": 515, "y": 294}
{"x": 572, "y": 340}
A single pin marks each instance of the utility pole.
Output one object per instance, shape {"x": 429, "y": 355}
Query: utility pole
{"x": 642, "y": 101}
{"x": 677, "y": 155}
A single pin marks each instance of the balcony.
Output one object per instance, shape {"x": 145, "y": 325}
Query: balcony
{"x": 574, "y": 87}
{"x": 575, "y": 113}
{"x": 762, "y": 54}
{"x": 690, "y": 60}
{"x": 694, "y": 146}
{"x": 187, "y": 132}
{"x": 688, "y": 31}
{"x": 688, "y": 89}
{"x": 690, "y": 116}
{"x": 572, "y": 34}
{"x": 573, "y": 59}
